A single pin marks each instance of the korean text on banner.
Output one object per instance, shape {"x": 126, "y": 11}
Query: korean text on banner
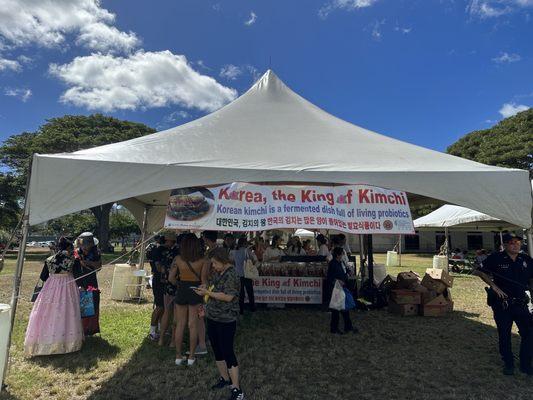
{"x": 248, "y": 207}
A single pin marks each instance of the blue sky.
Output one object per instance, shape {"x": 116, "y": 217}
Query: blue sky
{"x": 422, "y": 71}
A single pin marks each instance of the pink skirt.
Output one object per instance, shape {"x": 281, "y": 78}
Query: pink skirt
{"x": 55, "y": 321}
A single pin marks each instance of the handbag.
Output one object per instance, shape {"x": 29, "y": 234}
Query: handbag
{"x": 87, "y": 304}
{"x": 250, "y": 270}
{"x": 349, "y": 302}
{"x": 338, "y": 297}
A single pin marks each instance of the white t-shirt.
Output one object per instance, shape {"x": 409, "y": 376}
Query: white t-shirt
{"x": 272, "y": 254}
{"x": 324, "y": 251}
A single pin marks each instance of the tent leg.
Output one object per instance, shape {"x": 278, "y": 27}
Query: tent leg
{"x": 501, "y": 242}
{"x": 143, "y": 238}
{"x": 16, "y": 288}
{"x": 362, "y": 258}
{"x": 530, "y": 242}
{"x": 399, "y": 250}
{"x": 370, "y": 260}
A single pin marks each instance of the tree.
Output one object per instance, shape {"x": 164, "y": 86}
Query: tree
{"x": 507, "y": 144}
{"x": 9, "y": 205}
{"x": 67, "y": 134}
{"x": 122, "y": 224}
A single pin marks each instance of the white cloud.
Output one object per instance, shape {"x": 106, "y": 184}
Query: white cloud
{"x": 9, "y": 64}
{"x": 102, "y": 37}
{"x": 47, "y": 22}
{"x": 376, "y": 29}
{"x": 507, "y": 58}
{"x": 496, "y": 8}
{"x": 172, "y": 118}
{"x": 140, "y": 80}
{"x": 251, "y": 20}
{"x": 230, "y": 72}
{"x": 20, "y": 93}
{"x": 510, "y": 109}
{"x": 403, "y": 30}
{"x": 348, "y": 5}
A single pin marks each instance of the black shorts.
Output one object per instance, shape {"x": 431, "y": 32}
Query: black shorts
{"x": 186, "y": 296}
{"x": 158, "y": 290}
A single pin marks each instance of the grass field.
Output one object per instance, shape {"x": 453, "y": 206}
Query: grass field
{"x": 284, "y": 354}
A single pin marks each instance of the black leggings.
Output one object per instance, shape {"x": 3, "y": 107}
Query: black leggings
{"x": 222, "y": 335}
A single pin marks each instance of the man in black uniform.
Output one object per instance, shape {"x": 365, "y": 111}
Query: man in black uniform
{"x": 153, "y": 255}
{"x": 508, "y": 274}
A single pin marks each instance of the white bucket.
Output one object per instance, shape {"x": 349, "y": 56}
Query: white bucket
{"x": 392, "y": 259}
{"x": 122, "y": 276}
{"x": 440, "y": 262}
{"x": 5, "y": 319}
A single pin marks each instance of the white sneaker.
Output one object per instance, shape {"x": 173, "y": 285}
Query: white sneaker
{"x": 190, "y": 361}
{"x": 180, "y": 361}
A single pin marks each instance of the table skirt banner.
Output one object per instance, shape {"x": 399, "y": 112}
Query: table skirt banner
{"x": 238, "y": 206}
{"x": 288, "y": 290}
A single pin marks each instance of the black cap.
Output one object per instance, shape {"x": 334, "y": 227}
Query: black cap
{"x": 510, "y": 236}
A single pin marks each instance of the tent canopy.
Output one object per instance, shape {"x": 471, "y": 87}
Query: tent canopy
{"x": 458, "y": 217}
{"x": 269, "y": 134}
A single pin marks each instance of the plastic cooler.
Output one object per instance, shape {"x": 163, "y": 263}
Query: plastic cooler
{"x": 122, "y": 276}
{"x": 392, "y": 259}
{"x": 5, "y": 312}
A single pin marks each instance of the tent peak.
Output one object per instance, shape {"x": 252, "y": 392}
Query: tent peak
{"x": 269, "y": 81}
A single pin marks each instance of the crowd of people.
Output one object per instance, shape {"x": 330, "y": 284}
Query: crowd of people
{"x": 198, "y": 285}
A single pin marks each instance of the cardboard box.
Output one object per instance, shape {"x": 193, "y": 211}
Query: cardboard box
{"x": 434, "y": 311}
{"x": 405, "y": 310}
{"x": 428, "y": 296}
{"x": 433, "y": 284}
{"x": 437, "y": 307}
{"x": 402, "y": 296}
{"x": 407, "y": 280}
{"x": 440, "y": 275}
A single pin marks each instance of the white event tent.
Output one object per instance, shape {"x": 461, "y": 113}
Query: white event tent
{"x": 461, "y": 218}
{"x": 269, "y": 134}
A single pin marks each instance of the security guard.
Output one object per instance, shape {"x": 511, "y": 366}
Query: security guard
{"x": 508, "y": 274}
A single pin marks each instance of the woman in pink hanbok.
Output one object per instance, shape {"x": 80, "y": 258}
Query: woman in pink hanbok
{"x": 55, "y": 322}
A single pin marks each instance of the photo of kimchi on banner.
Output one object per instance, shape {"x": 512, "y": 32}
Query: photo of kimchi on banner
{"x": 242, "y": 206}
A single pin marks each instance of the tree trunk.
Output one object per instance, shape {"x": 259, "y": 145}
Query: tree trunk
{"x": 102, "y": 220}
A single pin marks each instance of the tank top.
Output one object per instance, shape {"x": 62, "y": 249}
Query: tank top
{"x": 186, "y": 274}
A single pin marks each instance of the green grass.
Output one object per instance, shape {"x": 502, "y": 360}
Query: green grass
{"x": 284, "y": 354}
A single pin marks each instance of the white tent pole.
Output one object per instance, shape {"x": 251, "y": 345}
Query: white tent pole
{"x": 18, "y": 271}
{"x": 142, "y": 250}
{"x": 501, "y": 241}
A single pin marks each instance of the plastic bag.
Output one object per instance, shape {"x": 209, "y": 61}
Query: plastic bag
{"x": 349, "y": 302}
{"x": 338, "y": 297}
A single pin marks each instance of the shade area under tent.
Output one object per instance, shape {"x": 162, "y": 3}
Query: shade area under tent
{"x": 269, "y": 134}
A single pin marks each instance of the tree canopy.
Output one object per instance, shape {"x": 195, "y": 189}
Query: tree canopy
{"x": 507, "y": 144}
{"x": 67, "y": 134}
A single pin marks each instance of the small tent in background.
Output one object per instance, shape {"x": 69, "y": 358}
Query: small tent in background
{"x": 463, "y": 218}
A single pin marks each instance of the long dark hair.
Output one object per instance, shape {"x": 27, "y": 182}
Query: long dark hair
{"x": 191, "y": 248}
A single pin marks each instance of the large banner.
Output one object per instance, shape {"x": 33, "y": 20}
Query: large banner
{"x": 287, "y": 289}
{"x": 247, "y": 207}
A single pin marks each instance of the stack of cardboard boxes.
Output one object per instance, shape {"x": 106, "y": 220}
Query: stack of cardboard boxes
{"x": 429, "y": 297}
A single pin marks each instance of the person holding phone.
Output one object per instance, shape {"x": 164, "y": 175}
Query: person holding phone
{"x": 222, "y": 311}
